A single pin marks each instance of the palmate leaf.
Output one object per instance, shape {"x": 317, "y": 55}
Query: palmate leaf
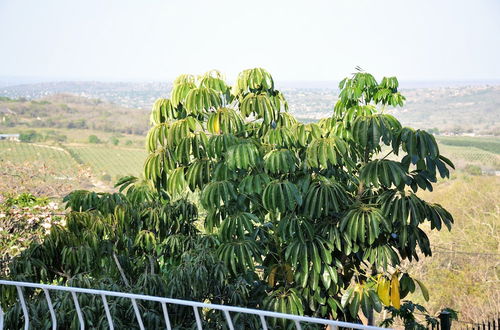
{"x": 349, "y": 115}
{"x": 286, "y": 119}
{"x": 361, "y": 85}
{"x": 426, "y": 170}
{"x": 254, "y": 184}
{"x": 334, "y": 127}
{"x": 369, "y": 130}
{"x": 238, "y": 226}
{"x": 418, "y": 144}
{"x": 225, "y": 120}
{"x": 172, "y": 133}
{"x": 281, "y": 196}
{"x": 239, "y": 255}
{"x": 180, "y": 91}
{"x": 201, "y": 100}
{"x": 281, "y": 137}
{"x": 252, "y": 80}
{"x": 286, "y": 301}
{"x": 303, "y": 133}
{"x": 176, "y": 181}
{"x": 221, "y": 172}
{"x": 323, "y": 197}
{"x": 156, "y": 164}
{"x": 198, "y": 174}
{"x": 383, "y": 173}
{"x": 214, "y": 80}
{"x": 243, "y": 156}
{"x": 382, "y": 256}
{"x": 218, "y": 145}
{"x": 437, "y": 215}
{"x": 323, "y": 152}
{"x": 280, "y": 161}
{"x": 364, "y": 224}
{"x": 162, "y": 111}
{"x": 313, "y": 263}
{"x": 261, "y": 106}
{"x": 217, "y": 193}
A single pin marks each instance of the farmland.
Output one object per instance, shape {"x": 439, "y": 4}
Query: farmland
{"x": 110, "y": 161}
{"x": 44, "y": 155}
{"x": 39, "y": 167}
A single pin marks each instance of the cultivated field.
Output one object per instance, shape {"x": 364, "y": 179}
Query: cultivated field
{"x": 51, "y": 156}
{"x": 112, "y": 161}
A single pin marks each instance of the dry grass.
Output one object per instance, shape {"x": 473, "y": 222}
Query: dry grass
{"x": 464, "y": 272}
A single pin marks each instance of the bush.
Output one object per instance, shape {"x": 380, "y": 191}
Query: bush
{"x": 94, "y": 139}
{"x": 114, "y": 141}
{"x": 30, "y": 136}
{"x": 473, "y": 169}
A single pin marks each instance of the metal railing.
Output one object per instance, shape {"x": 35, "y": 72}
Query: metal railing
{"x": 226, "y": 310}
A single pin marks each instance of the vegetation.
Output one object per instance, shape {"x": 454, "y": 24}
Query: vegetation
{"x": 64, "y": 111}
{"x": 55, "y": 157}
{"x": 24, "y": 219}
{"x": 296, "y": 218}
{"x": 64, "y": 160}
{"x": 489, "y": 144}
{"x": 463, "y": 271}
{"x": 110, "y": 160}
{"x": 94, "y": 139}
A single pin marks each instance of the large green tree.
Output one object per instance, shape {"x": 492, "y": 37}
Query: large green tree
{"x": 311, "y": 219}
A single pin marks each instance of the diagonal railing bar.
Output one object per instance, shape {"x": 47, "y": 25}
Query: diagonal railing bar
{"x": 23, "y": 306}
{"x": 165, "y": 315}
{"x": 51, "y": 309}
{"x": 108, "y": 314}
{"x": 227, "y": 310}
{"x": 78, "y": 311}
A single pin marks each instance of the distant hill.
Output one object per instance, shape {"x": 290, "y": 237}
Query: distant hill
{"x": 69, "y": 111}
{"x": 459, "y": 109}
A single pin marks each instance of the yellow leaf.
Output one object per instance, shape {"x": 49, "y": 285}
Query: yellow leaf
{"x": 289, "y": 273}
{"x": 383, "y": 291}
{"x": 272, "y": 275}
{"x": 396, "y": 302}
{"x": 216, "y": 124}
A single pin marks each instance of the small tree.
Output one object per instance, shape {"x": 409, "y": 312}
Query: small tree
{"x": 94, "y": 139}
{"x": 310, "y": 219}
{"x": 316, "y": 207}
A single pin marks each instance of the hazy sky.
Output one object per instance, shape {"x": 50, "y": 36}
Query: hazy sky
{"x": 295, "y": 40}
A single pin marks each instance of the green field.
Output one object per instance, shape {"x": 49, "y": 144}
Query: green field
{"x": 102, "y": 160}
{"x": 467, "y": 155}
{"x": 51, "y": 156}
{"x": 490, "y": 144}
{"x": 113, "y": 161}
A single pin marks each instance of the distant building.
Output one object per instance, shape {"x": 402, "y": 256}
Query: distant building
{"x": 9, "y": 137}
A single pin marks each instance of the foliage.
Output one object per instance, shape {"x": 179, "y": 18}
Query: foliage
{"x": 407, "y": 314}
{"x": 114, "y": 161}
{"x": 473, "y": 169}
{"x": 114, "y": 140}
{"x": 94, "y": 139}
{"x": 30, "y": 136}
{"x": 487, "y": 144}
{"x": 464, "y": 267}
{"x": 297, "y": 218}
{"x": 24, "y": 219}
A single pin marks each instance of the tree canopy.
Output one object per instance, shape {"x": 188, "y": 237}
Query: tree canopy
{"x": 242, "y": 204}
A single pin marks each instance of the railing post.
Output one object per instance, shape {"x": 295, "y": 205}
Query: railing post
{"x": 445, "y": 320}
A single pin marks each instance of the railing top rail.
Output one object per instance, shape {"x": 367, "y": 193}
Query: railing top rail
{"x": 191, "y": 303}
